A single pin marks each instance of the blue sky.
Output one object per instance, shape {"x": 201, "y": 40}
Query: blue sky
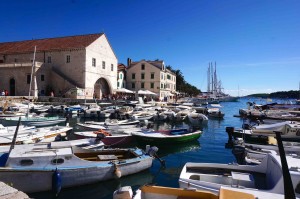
{"x": 256, "y": 43}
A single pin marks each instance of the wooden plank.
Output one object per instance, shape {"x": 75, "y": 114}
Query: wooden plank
{"x": 107, "y": 157}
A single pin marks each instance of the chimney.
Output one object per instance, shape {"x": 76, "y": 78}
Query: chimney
{"x": 128, "y": 62}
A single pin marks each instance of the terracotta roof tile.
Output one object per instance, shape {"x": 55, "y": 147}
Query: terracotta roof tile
{"x": 49, "y": 44}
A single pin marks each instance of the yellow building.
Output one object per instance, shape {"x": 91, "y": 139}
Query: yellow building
{"x": 152, "y": 76}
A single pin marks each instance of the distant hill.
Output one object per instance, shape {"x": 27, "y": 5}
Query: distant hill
{"x": 280, "y": 94}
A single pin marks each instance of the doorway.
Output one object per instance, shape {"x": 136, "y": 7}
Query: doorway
{"x": 12, "y": 87}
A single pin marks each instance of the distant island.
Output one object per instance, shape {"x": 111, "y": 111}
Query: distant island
{"x": 280, "y": 94}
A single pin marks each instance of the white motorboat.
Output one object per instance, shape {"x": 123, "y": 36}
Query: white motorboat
{"x": 215, "y": 113}
{"x": 196, "y": 118}
{"x": 290, "y": 131}
{"x": 266, "y": 177}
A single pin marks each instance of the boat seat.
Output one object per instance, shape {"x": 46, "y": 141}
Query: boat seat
{"x": 107, "y": 157}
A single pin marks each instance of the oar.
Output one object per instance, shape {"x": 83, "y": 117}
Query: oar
{"x": 15, "y": 136}
{"x": 5, "y": 156}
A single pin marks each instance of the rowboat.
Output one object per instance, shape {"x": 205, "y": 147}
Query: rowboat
{"x": 116, "y": 139}
{"x": 34, "y": 121}
{"x": 32, "y": 135}
{"x": 166, "y": 137}
{"x": 35, "y": 168}
{"x": 115, "y": 122}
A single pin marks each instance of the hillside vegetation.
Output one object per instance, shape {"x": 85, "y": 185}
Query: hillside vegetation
{"x": 280, "y": 94}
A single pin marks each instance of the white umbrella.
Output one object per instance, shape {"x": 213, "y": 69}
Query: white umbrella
{"x": 123, "y": 90}
{"x": 150, "y": 93}
{"x": 142, "y": 92}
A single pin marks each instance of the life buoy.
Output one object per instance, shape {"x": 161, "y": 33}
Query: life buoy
{"x": 101, "y": 131}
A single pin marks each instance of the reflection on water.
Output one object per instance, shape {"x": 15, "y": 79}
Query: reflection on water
{"x": 179, "y": 148}
{"x": 101, "y": 189}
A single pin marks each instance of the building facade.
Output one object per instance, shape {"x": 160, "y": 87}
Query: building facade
{"x": 152, "y": 76}
{"x": 121, "y": 76}
{"x": 85, "y": 63}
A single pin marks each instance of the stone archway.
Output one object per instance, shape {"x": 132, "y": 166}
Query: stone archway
{"x": 12, "y": 87}
{"x": 101, "y": 88}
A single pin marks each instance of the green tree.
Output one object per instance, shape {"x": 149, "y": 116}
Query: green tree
{"x": 183, "y": 86}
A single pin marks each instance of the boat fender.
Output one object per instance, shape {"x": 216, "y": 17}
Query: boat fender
{"x": 3, "y": 159}
{"x": 117, "y": 171}
{"x": 56, "y": 182}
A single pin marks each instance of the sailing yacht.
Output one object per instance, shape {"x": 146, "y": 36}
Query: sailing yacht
{"x": 214, "y": 87}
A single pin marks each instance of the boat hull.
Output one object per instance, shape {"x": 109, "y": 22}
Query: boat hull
{"x": 165, "y": 141}
{"x": 35, "y": 122}
{"x": 37, "y": 180}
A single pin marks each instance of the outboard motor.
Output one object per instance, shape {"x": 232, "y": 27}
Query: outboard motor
{"x": 229, "y": 131}
{"x": 239, "y": 154}
{"x": 246, "y": 126}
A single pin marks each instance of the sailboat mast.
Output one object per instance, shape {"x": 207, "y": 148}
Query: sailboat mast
{"x": 32, "y": 71}
{"x": 208, "y": 78}
{"x": 212, "y": 77}
{"x": 215, "y": 79}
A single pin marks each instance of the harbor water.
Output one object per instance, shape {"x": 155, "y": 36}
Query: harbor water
{"x": 210, "y": 147}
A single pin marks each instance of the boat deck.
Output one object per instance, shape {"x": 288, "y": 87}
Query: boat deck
{"x": 224, "y": 176}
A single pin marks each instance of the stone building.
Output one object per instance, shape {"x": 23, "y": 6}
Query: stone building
{"x": 84, "y": 64}
{"x": 152, "y": 76}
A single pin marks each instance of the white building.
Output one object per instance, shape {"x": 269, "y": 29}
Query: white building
{"x": 85, "y": 63}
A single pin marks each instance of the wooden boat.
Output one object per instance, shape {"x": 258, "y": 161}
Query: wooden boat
{"x": 33, "y": 135}
{"x": 112, "y": 129}
{"x": 266, "y": 177}
{"x": 166, "y": 137}
{"x": 11, "y": 129}
{"x": 91, "y": 126}
{"x": 116, "y": 139}
{"x": 34, "y": 121}
{"x": 115, "y": 122}
{"x": 74, "y": 109}
{"x": 87, "y": 143}
{"x": 159, "y": 192}
{"x": 34, "y": 168}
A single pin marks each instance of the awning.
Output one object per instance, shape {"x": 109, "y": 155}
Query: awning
{"x": 123, "y": 90}
{"x": 146, "y": 92}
